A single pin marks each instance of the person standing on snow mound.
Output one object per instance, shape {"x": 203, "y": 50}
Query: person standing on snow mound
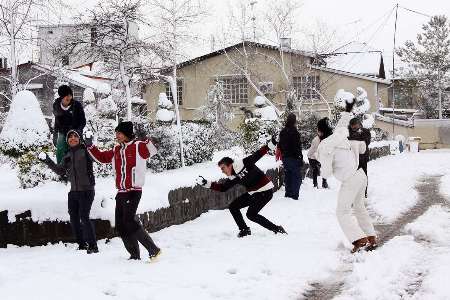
{"x": 339, "y": 156}
{"x": 324, "y": 130}
{"x": 77, "y": 164}
{"x": 291, "y": 154}
{"x": 129, "y": 159}
{"x": 259, "y": 189}
{"x": 69, "y": 114}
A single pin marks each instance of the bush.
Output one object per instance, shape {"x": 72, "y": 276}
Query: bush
{"x": 307, "y": 127}
{"x": 31, "y": 171}
{"x": 256, "y": 132}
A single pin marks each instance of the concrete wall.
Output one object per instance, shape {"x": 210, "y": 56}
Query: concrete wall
{"x": 434, "y": 134}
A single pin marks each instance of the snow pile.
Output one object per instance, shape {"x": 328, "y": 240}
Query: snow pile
{"x": 259, "y": 101}
{"x": 342, "y": 97}
{"x": 361, "y": 108}
{"x": 445, "y": 185}
{"x": 88, "y": 96}
{"x": 164, "y": 113}
{"x": 266, "y": 113}
{"x": 25, "y": 127}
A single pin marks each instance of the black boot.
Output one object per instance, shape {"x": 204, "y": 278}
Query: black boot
{"x": 324, "y": 183}
{"x": 244, "y": 232}
{"x": 92, "y": 249}
{"x": 82, "y": 246}
{"x": 280, "y": 229}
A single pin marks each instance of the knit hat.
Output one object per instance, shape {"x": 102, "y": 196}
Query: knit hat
{"x": 126, "y": 128}
{"x": 64, "y": 90}
{"x": 324, "y": 126}
{"x": 70, "y": 132}
{"x": 291, "y": 120}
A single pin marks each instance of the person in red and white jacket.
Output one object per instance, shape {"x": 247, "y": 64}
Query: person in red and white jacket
{"x": 259, "y": 189}
{"x": 128, "y": 158}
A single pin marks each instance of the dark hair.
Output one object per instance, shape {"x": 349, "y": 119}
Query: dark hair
{"x": 355, "y": 121}
{"x": 324, "y": 126}
{"x": 225, "y": 161}
{"x": 291, "y": 120}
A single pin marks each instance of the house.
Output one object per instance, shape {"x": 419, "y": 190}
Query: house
{"x": 280, "y": 73}
{"x": 43, "y": 81}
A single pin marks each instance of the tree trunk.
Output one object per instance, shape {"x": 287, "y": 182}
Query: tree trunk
{"x": 14, "y": 79}
{"x": 126, "y": 83}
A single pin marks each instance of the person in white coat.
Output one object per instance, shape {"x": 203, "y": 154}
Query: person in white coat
{"x": 340, "y": 157}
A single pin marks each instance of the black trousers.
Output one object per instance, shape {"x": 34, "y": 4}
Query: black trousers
{"x": 79, "y": 204}
{"x": 315, "y": 167}
{"x": 364, "y": 167}
{"x": 255, "y": 203}
{"x": 128, "y": 225}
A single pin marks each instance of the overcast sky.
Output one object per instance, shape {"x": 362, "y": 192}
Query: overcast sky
{"x": 370, "y": 22}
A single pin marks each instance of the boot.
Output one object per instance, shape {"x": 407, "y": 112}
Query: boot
{"x": 153, "y": 256}
{"x": 92, "y": 249}
{"x": 82, "y": 246}
{"x": 244, "y": 232}
{"x": 372, "y": 243}
{"x": 359, "y": 244}
{"x": 280, "y": 229}
{"x": 324, "y": 183}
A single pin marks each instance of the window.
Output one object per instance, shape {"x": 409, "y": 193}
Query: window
{"x": 77, "y": 94}
{"x": 235, "y": 89}
{"x": 307, "y": 87}
{"x": 179, "y": 91}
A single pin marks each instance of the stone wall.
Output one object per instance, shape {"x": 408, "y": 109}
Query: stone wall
{"x": 185, "y": 204}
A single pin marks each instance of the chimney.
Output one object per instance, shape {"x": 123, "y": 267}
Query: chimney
{"x": 285, "y": 43}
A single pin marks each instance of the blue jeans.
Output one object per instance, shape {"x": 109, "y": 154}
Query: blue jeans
{"x": 292, "y": 176}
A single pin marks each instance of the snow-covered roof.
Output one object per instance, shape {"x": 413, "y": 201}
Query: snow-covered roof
{"x": 359, "y": 59}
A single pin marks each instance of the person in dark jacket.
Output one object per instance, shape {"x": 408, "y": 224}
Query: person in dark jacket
{"x": 258, "y": 185}
{"x": 69, "y": 114}
{"x": 291, "y": 155}
{"x": 359, "y": 133}
{"x": 324, "y": 130}
{"x": 77, "y": 165}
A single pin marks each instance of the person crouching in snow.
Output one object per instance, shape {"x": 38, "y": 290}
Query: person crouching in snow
{"x": 339, "y": 156}
{"x": 128, "y": 158}
{"x": 259, "y": 189}
{"x": 77, "y": 165}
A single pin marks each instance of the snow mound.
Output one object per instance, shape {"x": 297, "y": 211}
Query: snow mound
{"x": 163, "y": 102}
{"x": 368, "y": 121}
{"x": 164, "y": 115}
{"x": 267, "y": 113}
{"x": 25, "y": 125}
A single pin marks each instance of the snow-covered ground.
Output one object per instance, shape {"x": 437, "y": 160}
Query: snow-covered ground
{"x": 202, "y": 259}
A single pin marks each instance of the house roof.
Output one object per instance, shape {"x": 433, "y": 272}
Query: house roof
{"x": 238, "y": 45}
{"x": 350, "y": 74}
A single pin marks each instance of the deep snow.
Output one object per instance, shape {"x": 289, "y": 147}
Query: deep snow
{"x": 202, "y": 259}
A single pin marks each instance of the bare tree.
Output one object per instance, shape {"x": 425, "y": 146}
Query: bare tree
{"x": 173, "y": 21}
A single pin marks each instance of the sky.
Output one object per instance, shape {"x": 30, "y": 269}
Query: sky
{"x": 358, "y": 22}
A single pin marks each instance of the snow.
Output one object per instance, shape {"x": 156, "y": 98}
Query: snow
{"x": 163, "y": 102}
{"x": 25, "y": 125}
{"x": 49, "y": 200}
{"x": 266, "y": 113}
{"x": 102, "y": 86}
{"x": 203, "y": 259}
{"x": 392, "y": 178}
{"x": 341, "y": 97}
{"x": 259, "y": 101}
{"x": 165, "y": 115}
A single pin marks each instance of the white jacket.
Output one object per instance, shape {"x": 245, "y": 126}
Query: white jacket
{"x": 312, "y": 152}
{"x": 337, "y": 155}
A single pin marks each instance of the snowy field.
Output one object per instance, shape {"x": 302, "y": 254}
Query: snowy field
{"x": 203, "y": 259}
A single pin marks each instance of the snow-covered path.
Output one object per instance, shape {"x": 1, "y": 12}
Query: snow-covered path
{"x": 203, "y": 259}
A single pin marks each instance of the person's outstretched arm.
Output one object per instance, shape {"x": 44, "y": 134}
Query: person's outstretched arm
{"x": 104, "y": 157}
{"x": 59, "y": 169}
{"x": 216, "y": 186}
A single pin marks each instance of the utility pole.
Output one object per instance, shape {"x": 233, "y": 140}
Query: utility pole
{"x": 393, "y": 72}
{"x": 252, "y": 4}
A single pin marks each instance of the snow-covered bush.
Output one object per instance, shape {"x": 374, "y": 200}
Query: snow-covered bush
{"x": 164, "y": 112}
{"x": 307, "y": 127}
{"x": 31, "y": 171}
{"x": 218, "y": 108}
{"x": 361, "y": 108}
{"x": 199, "y": 139}
{"x": 255, "y": 132}
{"x": 25, "y": 128}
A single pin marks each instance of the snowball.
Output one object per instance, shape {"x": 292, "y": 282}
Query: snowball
{"x": 163, "y": 102}
{"x": 25, "y": 125}
{"x": 259, "y": 101}
{"x": 42, "y": 156}
{"x": 341, "y": 97}
{"x": 164, "y": 115}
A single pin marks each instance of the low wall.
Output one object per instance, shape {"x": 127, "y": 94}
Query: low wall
{"x": 185, "y": 204}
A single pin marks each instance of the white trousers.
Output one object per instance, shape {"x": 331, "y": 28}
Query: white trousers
{"x": 351, "y": 211}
